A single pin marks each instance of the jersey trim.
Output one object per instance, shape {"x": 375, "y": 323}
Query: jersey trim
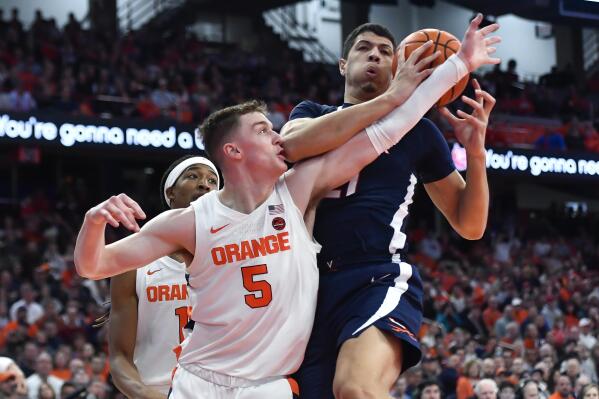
{"x": 398, "y": 241}
{"x": 392, "y": 297}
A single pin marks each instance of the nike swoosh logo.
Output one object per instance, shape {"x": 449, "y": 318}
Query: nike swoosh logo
{"x": 380, "y": 278}
{"x": 150, "y": 272}
{"x": 214, "y": 231}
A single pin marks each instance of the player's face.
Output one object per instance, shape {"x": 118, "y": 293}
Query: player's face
{"x": 258, "y": 145}
{"x": 194, "y": 182}
{"x": 368, "y": 65}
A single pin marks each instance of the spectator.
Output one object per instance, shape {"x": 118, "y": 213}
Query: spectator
{"x": 590, "y": 391}
{"x": 530, "y": 390}
{"x": 486, "y": 389}
{"x": 467, "y": 382}
{"x": 430, "y": 389}
{"x": 586, "y": 337}
{"x": 551, "y": 140}
{"x": 34, "y": 309}
{"x": 46, "y": 391}
{"x": 42, "y": 374}
{"x": 507, "y": 391}
{"x": 563, "y": 388}
{"x": 399, "y": 389}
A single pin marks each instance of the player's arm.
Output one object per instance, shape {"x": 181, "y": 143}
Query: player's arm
{"x": 316, "y": 176}
{"x": 122, "y": 333}
{"x": 309, "y": 180}
{"x": 465, "y": 204}
{"x": 169, "y": 232}
{"x": 306, "y": 137}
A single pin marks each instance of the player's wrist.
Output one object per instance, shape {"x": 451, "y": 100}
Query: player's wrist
{"x": 465, "y": 60}
{"x": 476, "y": 154}
{"x": 392, "y": 99}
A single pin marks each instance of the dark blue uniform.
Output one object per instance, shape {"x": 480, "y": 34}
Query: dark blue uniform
{"x": 361, "y": 228}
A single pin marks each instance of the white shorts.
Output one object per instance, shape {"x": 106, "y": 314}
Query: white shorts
{"x": 205, "y": 384}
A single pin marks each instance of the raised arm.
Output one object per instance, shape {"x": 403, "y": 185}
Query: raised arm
{"x": 314, "y": 177}
{"x": 122, "y": 331}
{"x": 307, "y": 137}
{"x": 167, "y": 233}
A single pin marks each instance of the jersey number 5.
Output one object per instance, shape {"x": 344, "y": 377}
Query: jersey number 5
{"x": 256, "y": 286}
{"x": 346, "y": 189}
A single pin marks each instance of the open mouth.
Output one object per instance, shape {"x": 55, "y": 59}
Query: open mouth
{"x": 371, "y": 71}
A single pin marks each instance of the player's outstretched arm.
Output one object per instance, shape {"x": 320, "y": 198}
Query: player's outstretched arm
{"x": 465, "y": 204}
{"x": 307, "y": 137}
{"x": 122, "y": 332}
{"x": 169, "y": 232}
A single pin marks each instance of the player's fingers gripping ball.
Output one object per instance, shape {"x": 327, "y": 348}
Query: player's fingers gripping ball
{"x": 444, "y": 42}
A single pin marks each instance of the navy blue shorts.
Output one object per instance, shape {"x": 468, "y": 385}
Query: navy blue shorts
{"x": 388, "y": 296}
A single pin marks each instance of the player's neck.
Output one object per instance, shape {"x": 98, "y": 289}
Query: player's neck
{"x": 356, "y": 96}
{"x": 245, "y": 192}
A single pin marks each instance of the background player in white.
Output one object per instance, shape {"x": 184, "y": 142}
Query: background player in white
{"x": 149, "y": 306}
{"x": 280, "y": 298}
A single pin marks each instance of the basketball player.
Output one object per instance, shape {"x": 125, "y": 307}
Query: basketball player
{"x": 149, "y": 306}
{"x": 249, "y": 253}
{"x": 370, "y": 301}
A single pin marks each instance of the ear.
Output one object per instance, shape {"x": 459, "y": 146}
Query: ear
{"x": 342, "y": 65}
{"x": 170, "y": 194}
{"x": 231, "y": 150}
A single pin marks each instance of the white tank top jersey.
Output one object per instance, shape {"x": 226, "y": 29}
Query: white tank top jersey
{"x": 162, "y": 313}
{"x": 254, "y": 280}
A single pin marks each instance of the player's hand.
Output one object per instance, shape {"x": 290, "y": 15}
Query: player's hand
{"x": 116, "y": 210}
{"x": 476, "y": 48}
{"x": 410, "y": 72}
{"x": 470, "y": 129}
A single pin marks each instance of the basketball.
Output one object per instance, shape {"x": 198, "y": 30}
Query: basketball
{"x": 443, "y": 41}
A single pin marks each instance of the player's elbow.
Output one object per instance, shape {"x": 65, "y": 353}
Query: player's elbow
{"x": 292, "y": 149}
{"x": 85, "y": 268}
{"x": 472, "y": 232}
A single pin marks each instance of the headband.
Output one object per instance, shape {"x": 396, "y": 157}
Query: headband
{"x": 180, "y": 168}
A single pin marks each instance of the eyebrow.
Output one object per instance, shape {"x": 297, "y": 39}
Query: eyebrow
{"x": 373, "y": 44}
{"x": 260, "y": 123}
{"x": 197, "y": 167}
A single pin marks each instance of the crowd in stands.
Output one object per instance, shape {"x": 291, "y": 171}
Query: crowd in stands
{"x": 80, "y": 71}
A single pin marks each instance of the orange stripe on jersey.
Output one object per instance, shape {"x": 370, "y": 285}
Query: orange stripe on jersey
{"x": 294, "y": 386}
{"x": 177, "y": 349}
{"x": 250, "y": 249}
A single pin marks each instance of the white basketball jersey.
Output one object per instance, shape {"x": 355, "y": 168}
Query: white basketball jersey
{"x": 255, "y": 281}
{"x": 162, "y": 313}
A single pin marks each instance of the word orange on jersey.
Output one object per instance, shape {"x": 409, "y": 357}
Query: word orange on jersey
{"x": 160, "y": 293}
{"x": 251, "y": 249}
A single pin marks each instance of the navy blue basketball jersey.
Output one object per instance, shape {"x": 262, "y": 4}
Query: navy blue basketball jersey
{"x": 364, "y": 220}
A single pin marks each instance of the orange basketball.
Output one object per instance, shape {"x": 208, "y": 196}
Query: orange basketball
{"x": 443, "y": 41}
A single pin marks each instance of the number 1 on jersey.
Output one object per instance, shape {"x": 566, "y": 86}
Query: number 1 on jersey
{"x": 255, "y": 286}
{"x": 183, "y": 313}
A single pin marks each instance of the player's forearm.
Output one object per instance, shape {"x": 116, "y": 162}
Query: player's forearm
{"x": 473, "y": 205}
{"x": 316, "y": 136}
{"x": 387, "y": 132}
{"x": 128, "y": 381}
{"x": 89, "y": 248}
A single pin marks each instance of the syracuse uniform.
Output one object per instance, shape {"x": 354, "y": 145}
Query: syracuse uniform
{"x": 255, "y": 281}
